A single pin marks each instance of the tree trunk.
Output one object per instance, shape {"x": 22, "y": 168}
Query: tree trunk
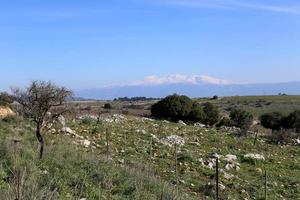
{"x": 41, "y": 141}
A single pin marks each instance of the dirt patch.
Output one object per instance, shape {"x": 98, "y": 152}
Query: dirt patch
{"x": 5, "y": 111}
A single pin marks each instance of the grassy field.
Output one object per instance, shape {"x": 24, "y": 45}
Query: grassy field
{"x": 140, "y": 162}
{"x": 258, "y": 105}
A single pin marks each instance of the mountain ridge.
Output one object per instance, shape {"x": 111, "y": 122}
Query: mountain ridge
{"x": 192, "y": 90}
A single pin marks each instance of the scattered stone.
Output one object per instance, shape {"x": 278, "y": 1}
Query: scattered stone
{"x": 230, "y": 158}
{"x": 61, "y": 120}
{"x": 147, "y": 119}
{"x": 82, "y": 117}
{"x": 68, "y": 130}
{"x": 141, "y": 131}
{"x": 181, "y": 123}
{"x": 222, "y": 187}
{"x": 254, "y": 156}
{"x": 228, "y": 176}
{"x": 173, "y": 139}
{"x": 86, "y": 143}
{"x": 200, "y": 125}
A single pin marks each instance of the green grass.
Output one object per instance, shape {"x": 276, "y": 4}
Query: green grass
{"x": 258, "y": 105}
{"x": 138, "y": 167}
{"x": 68, "y": 172}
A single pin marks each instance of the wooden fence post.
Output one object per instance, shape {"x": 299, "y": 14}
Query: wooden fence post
{"x": 217, "y": 178}
{"x": 266, "y": 185}
{"x": 107, "y": 142}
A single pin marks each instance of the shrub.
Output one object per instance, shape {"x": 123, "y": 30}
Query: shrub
{"x": 225, "y": 121}
{"x": 87, "y": 121}
{"x": 107, "y": 106}
{"x": 174, "y": 108}
{"x": 196, "y": 114}
{"x": 215, "y": 97}
{"x": 241, "y": 118}
{"x": 10, "y": 119}
{"x": 272, "y": 120}
{"x": 212, "y": 114}
{"x": 292, "y": 121}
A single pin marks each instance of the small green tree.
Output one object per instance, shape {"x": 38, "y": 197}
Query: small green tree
{"x": 174, "y": 108}
{"x": 241, "y": 118}
{"x": 212, "y": 114}
{"x": 197, "y": 114}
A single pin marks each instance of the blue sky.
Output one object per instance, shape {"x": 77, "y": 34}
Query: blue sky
{"x": 95, "y": 43}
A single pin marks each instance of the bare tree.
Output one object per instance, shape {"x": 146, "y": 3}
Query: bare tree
{"x": 37, "y": 101}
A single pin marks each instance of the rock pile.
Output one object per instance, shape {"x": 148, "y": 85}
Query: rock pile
{"x": 172, "y": 140}
{"x": 230, "y": 161}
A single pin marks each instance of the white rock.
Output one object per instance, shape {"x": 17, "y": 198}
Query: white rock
{"x": 230, "y": 158}
{"x": 61, "y": 119}
{"x": 228, "y": 176}
{"x": 86, "y": 143}
{"x": 222, "y": 187}
{"x": 181, "y": 123}
{"x": 199, "y": 125}
{"x": 147, "y": 119}
{"x": 68, "y": 130}
{"x": 153, "y": 136}
{"x": 141, "y": 131}
{"x": 230, "y": 166}
{"x": 175, "y": 139}
{"x": 254, "y": 156}
{"x": 93, "y": 117}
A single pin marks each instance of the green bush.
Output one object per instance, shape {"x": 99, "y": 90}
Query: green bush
{"x": 212, "y": 114}
{"x": 225, "y": 121}
{"x": 10, "y": 119}
{"x": 241, "y": 118}
{"x": 196, "y": 114}
{"x": 174, "y": 108}
{"x": 292, "y": 121}
{"x": 87, "y": 121}
{"x": 107, "y": 106}
{"x": 272, "y": 120}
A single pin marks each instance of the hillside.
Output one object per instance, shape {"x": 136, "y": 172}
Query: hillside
{"x": 140, "y": 161}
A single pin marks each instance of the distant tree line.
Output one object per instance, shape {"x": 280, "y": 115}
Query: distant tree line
{"x": 135, "y": 99}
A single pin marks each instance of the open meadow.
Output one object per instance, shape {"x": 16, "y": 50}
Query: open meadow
{"x": 126, "y": 156}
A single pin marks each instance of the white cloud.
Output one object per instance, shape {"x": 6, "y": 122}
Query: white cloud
{"x": 237, "y": 5}
{"x": 179, "y": 79}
